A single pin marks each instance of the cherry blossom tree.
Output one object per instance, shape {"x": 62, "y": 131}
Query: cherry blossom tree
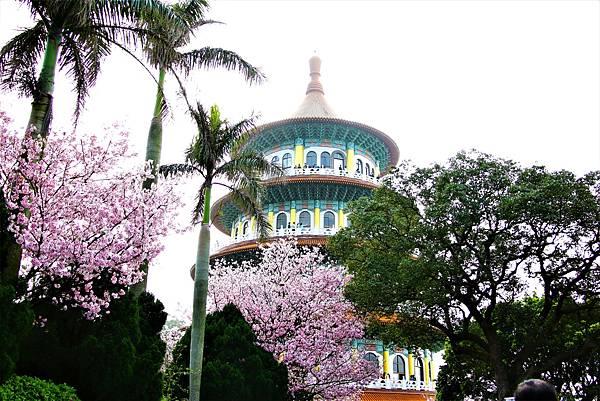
{"x": 79, "y": 212}
{"x": 293, "y": 299}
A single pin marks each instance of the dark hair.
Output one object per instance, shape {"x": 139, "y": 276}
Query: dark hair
{"x": 535, "y": 390}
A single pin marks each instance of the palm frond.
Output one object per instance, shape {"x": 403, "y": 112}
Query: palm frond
{"x": 191, "y": 11}
{"x": 81, "y": 56}
{"x": 250, "y": 206}
{"x": 248, "y": 163}
{"x": 210, "y": 57}
{"x": 71, "y": 60}
{"x": 178, "y": 170}
{"x": 18, "y": 58}
{"x": 119, "y": 12}
{"x": 236, "y": 136}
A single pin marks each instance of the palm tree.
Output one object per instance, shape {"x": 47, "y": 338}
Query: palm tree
{"x": 75, "y": 35}
{"x": 219, "y": 152}
{"x": 166, "y": 57}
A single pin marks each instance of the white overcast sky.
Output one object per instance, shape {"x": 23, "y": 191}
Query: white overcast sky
{"x": 519, "y": 79}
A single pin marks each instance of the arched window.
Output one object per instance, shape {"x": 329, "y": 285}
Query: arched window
{"x": 359, "y": 166}
{"x": 304, "y": 219}
{"x": 286, "y": 162}
{"x": 245, "y": 228}
{"x": 399, "y": 367}
{"x": 371, "y": 357}
{"x": 339, "y": 160}
{"x": 419, "y": 369}
{"x": 328, "y": 220}
{"x": 275, "y": 160}
{"x": 367, "y": 169}
{"x": 325, "y": 160}
{"x": 311, "y": 159}
{"x": 281, "y": 221}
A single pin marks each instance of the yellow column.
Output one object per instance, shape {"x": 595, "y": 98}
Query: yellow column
{"x": 411, "y": 365}
{"x": 293, "y": 214}
{"x": 377, "y": 172}
{"x": 317, "y": 213}
{"x": 350, "y": 158}
{"x": 271, "y": 217}
{"x": 240, "y": 228}
{"x": 386, "y": 363}
{"x": 252, "y": 224}
{"x": 426, "y": 369}
{"x": 341, "y": 223}
{"x": 299, "y": 153}
{"x": 233, "y": 230}
{"x": 432, "y": 369}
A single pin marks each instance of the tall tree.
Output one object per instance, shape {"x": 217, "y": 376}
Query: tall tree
{"x": 166, "y": 57}
{"x": 451, "y": 244}
{"x": 218, "y": 152}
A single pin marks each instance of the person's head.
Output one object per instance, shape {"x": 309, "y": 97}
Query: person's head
{"x": 535, "y": 390}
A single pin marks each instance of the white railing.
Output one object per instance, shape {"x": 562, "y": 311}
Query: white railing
{"x": 295, "y": 171}
{"x": 281, "y": 232}
{"x": 392, "y": 384}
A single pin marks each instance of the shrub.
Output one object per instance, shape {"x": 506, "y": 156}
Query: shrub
{"x": 234, "y": 367}
{"x": 25, "y": 388}
{"x": 114, "y": 358}
{"x": 16, "y": 320}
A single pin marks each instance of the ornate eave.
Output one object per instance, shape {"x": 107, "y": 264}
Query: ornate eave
{"x": 250, "y": 245}
{"x": 282, "y": 132}
{"x": 323, "y": 187}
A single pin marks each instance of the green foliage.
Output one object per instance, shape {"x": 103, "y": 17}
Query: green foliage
{"x": 374, "y": 250}
{"x": 24, "y": 388}
{"x": 463, "y": 378}
{"x": 501, "y": 260}
{"x": 117, "y": 357}
{"x": 16, "y": 320}
{"x": 235, "y": 368}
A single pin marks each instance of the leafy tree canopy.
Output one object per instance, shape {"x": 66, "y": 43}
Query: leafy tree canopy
{"x": 452, "y": 246}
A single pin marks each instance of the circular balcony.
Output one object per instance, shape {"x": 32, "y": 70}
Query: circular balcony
{"x": 308, "y": 235}
{"x": 316, "y": 170}
{"x": 402, "y": 384}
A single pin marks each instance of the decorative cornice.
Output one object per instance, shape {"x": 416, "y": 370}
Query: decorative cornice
{"x": 293, "y": 181}
{"x": 389, "y": 143}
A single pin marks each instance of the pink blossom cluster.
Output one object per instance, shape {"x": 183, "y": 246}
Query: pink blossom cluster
{"x": 81, "y": 216}
{"x": 294, "y": 302}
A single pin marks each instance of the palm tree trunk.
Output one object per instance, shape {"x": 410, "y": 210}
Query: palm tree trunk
{"x": 154, "y": 142}
{"x": 153, "y": 150}
{"x": 199, "y": 306}
{"x": 41, "y": 107}
{"x": 39, "y": 125}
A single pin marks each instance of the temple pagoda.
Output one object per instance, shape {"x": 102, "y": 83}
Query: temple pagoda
{"x": 328, "y": 162}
